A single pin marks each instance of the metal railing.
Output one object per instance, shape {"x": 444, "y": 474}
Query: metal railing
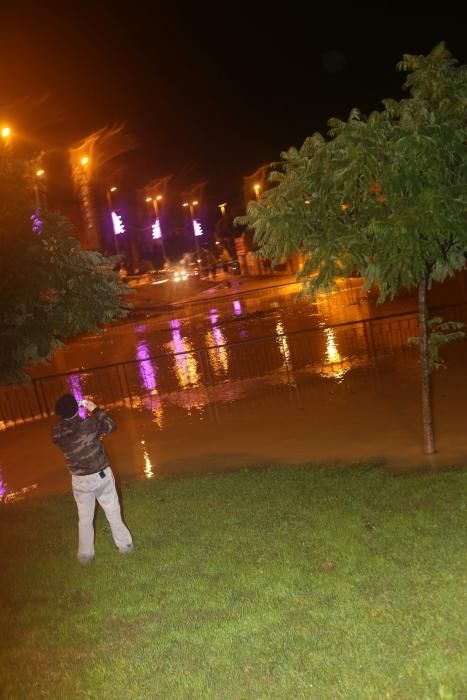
{"x": 218, "y": 372}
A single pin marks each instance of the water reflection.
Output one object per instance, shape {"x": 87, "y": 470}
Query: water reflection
{"x": 283, "y": 343}
{"x": 146, "y": 367}
{"x": 215, "y": 340}
{"x": 335, "y": 365}
{"x": 237, "y": 308}
{"x": 148, "y": 470}
{"x": 186, "y": 367}
{"x": 3, "y": 488}
{"x": 156, "y": 407}
{"x": 7, "y": 496}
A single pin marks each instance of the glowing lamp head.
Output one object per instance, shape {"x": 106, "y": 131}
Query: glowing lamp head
{"x": 85, "y": 161}
{"x": 6, "y": 132}
{"x": 113, "y": 189}
{"x": 40, "y": 173}
{"x": 117, "y": 223}
{"x": 156, "y": 230}
{"x": 148, "y": 199}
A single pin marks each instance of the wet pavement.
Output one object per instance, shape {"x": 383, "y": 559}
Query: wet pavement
{"x": 275, "y": 383}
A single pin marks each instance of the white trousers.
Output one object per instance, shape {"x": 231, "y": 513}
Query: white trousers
{"x": 88, "y": 489}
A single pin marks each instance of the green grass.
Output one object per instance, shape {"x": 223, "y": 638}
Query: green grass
{"x": 294, "y": 583}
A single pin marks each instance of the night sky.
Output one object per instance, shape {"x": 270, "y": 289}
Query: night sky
{"x": 210, "y": 92}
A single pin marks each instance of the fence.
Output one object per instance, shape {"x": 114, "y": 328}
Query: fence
{"x": 218, "y": 372}
{"x": 350, "y": 290}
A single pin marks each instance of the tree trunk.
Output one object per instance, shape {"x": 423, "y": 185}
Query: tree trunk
{"x": 428, "y": 439}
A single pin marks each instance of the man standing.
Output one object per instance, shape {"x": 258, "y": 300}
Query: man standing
{"x": 91, "y": 475}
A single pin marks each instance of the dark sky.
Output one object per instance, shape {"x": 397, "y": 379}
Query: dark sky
{"x": 210, "y": 92}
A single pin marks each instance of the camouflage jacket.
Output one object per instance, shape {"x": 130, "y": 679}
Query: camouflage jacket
{"x": 80, "y": 441}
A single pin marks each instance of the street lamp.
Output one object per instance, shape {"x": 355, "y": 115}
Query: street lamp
{"x": 156, "y": 227}
{"x": 6, "y": 132}
{"x": 222, "y": 207}
{"x": 116, "y": 224}
{"x": 197, "y": 229}
{"x": 39, "y": 174}
{"x": 257, "y": 189}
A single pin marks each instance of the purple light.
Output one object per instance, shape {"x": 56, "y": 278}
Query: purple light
{"x": 156, "y": 230}
{"x": 146, "y": 368}
{"x": 75, "y": 385}
{"x": 117, "y": 223}
{"x": 175, "y": 323}
{"x": 197, "y": 227}
{"x": 213, "y": 315}
{"x": 37, "y": 221}
{"x": 3, "y": 488}
{"x": 237, "y": 308}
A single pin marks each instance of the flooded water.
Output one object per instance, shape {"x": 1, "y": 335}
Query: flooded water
{"x": 242, "y": 382}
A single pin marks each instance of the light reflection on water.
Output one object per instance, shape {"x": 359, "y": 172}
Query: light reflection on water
{"x": 147, "y": 370}
{"x": 3, "y": 488}
{"x": 7, "y": 496}
{"x": 283, "y": 343}
{"x": 186, "y": 366}
{"x": 335, "y": 365}
{"x": 148, "y": 469}
{"x": 218, "y": 355}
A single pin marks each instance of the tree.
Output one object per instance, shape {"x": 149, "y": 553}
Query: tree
{"x": 384, "y": 196}
{"x": 50, "y": 289}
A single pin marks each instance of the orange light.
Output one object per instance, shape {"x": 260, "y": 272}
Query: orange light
{"x": 194, "y": 203}
{"x": 6, "y": 131}
{"x": 113, "y": 189}
{"x": 84, "y": 161}
{"x": 185, "y": 204}
{"x": 148, "y": 199}
{"x": 40, "y": 173}
{"x": 159, "y": 197}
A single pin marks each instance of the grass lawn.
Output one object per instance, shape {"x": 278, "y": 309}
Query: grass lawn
{"x": 294, "y": 583}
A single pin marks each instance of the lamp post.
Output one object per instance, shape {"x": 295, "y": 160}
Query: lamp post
{"x": 156, "y": 227}
{"x": 40, "y": 174}
{"x": 108, "y": 196}
{"x": 197, "y": 230}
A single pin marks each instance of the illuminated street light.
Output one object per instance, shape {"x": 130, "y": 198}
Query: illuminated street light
{"x": 222, "y": 207}
{"x": 197, "y": 228}
{"x": 257, "y": 189}
{"x": 6, "y": 132}
{"x": 39, "y": 189}
{"x": 156, "y": 227}
{"x": 117, "y": 223}
{"x": 84, "y": 161}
